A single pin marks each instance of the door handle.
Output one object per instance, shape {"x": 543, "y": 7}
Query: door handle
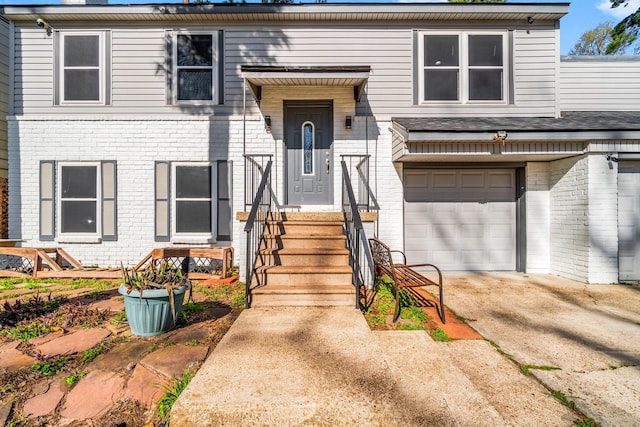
{"x": 328, "y": 162}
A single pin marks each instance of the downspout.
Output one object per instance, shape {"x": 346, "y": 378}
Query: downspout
{"x": 244, "y": 138}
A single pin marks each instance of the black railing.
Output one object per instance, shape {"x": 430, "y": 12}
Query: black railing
{"x": 261, "y": 208}
{"x": 360, "y": 257}
{"x": 254, "y": 166}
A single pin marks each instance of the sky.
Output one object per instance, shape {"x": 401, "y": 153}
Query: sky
{"x": 583, "y": 15}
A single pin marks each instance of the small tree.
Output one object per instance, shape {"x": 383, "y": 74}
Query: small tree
{"x": 626, "y": 32}
{"x": 595, "y": 42}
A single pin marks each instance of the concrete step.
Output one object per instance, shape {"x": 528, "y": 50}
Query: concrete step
{"x": 306, "y": 257}
{"x": 303, "y": 296}
{"x": 300, "y": 241}
{"x": 300, "y": 276}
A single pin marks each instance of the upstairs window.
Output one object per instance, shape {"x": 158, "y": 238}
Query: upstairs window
{"x": 463, "y": 67}
{"x": 82, "y": 68}
{"x": 195, "y": 64}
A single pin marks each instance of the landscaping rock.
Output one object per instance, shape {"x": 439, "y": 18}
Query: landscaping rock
{"x": 92, "y": 396}
{"x": 12, "y": 359}
{"x": 145, "y": 386}
{"x": 122, "y": 357}
{"x": 45, "y": 403}
{"x": 74, "y": 342}
{"x": 171, "y": 361}
{"x": 5, "y": 411}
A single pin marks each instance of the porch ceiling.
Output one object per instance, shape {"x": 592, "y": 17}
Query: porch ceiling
{"x": 258, "y": 76}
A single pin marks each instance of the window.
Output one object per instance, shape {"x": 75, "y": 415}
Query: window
{"x": 79, "y": 195}
{"x": 193, "y": 201}
{"x": 82, "y": 63}
{"x": 192, "y": 192}
{"x": 462, "y": 67}
{"x": 195, "y": 65}
{"x": 307, "y": 147}
{"x": 78, "y": 201}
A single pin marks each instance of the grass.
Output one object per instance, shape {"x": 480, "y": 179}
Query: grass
{"x": 92, "y": 353}
{"x": 586, "y": 422}
{"x": 232, "y": 294}
{"x": 171, "y": 394}
{"x": 440, "y": 335}
{"x": 525, "y": 368}
{"x": 73, "y": 378}
{"x": 50, "y": 368}
{"x": 564, "y": 399}
{"x": 26, "y": 332}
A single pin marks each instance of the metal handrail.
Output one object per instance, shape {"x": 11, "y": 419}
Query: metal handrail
{"x": 357, "y": 243}
{"x": 254, "y": 228}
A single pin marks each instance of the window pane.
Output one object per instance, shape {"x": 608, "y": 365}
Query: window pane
{"x": 81, "y": 51}
{"x": 193, "y": 217}
{"x": 195, "y": 50}
{"x": 441, "y": 50}
{"x": 307, "y": 145}
{"x": 485, "y": 85}
{"x": 81, "y": 85}
{"x": 79, "y": 182}
{"x": 485, "y": 50}
{"x": 195, "y": 85}
{"x": 441, "y": 85}
{"x": 193, "y": 182}
{"x": 78, "y": 216}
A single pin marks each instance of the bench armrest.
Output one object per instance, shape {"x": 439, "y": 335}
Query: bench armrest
{"x": 404, "y": 257}
{"x": 429, "y": 265}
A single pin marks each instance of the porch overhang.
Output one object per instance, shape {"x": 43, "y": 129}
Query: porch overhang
{"x": 258, "y": 76}
{"x": 508, "y": 139}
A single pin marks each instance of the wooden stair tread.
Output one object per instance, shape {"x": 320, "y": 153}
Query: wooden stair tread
{"x": 307, "y": 251}
{"x": 309, "y": 236}
{"x": 305, "y": 289}
{"x": 283, "y": 269}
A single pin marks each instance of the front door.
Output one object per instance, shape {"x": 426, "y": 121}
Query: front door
{"x": 309, "y": 157}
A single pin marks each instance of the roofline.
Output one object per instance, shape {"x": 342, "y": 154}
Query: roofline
{"x": 401, "y": 11}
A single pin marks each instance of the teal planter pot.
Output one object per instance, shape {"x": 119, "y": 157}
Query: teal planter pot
{"x": 150, "y": 314}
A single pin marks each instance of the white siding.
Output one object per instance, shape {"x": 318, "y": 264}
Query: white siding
{"x": 139, "y": 76}
{"x": 600, "y": 84}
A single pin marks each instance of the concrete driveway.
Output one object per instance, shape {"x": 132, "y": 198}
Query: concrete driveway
{"x": 590, "y": 332}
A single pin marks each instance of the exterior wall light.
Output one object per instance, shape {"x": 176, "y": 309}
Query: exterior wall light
{"x": 347, "y": 122}
{"x": 267, "y": 123}
{"x": 500, "y": 135}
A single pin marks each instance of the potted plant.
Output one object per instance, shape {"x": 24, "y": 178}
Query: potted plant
{"x": 153, "y": 298}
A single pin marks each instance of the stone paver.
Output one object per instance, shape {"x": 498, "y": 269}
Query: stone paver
{"x": 12, "y": 359}
{"x": 45, "y": 403}
{"x": 189, "y": 334}
{"x": 74, "y": 342}
{"x": 5, "y": 410}
{"x": 171, "y": 361}
{"x": 93, "y": 395}
{"x": 122, "y": 357}
{"x": 145, "y": 386}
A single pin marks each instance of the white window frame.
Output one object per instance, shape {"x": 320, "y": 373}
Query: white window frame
{"x": 193, "y": 237}
{"x": 101, "y": 67}
{"x": 98, "y": 199}
{"x": 214, "y": 68}
{"x": 463, "y": 66}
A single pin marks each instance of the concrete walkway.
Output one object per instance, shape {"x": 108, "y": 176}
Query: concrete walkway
{"x": 324, "y": 367}
{"x": 590, "y": 332}
{"x": 314, "y": 366}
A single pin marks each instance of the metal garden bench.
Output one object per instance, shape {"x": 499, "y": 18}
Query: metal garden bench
{"x": 404, "y": 276}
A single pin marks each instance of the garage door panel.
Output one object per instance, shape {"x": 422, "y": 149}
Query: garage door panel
{"x": 470, "y": 216}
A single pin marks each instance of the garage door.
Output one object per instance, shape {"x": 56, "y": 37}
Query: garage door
{"x": 629, "y": 220}
{"x": 461, "y": 219}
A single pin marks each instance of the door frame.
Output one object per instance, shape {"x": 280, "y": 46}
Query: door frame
{"x": 322, "y": 103}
